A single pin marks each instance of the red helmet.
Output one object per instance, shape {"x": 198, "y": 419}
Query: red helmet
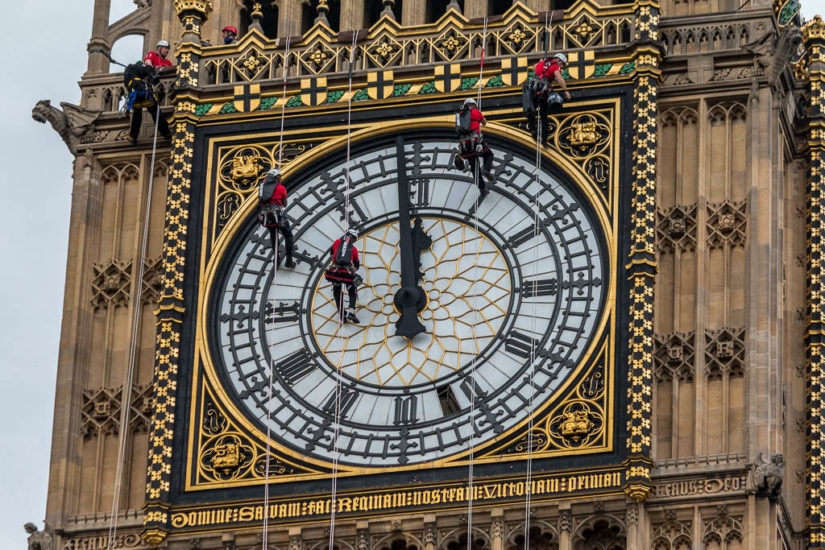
{"x": 230, "y": 28}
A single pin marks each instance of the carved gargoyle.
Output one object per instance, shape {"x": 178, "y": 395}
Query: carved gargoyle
{"x": 72, "y": 123}
{"x": 39, "y": 540}
{"x": 773, "y": 52}
{"x": 768, "y": 476}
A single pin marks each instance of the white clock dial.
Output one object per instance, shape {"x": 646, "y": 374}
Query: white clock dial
{"x": 515, "y": 290}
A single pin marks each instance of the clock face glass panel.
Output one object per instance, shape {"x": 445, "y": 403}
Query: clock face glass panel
{"x": 515, "y": 288}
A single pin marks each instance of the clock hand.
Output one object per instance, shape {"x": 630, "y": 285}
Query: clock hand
{"x": 410, "y": 298}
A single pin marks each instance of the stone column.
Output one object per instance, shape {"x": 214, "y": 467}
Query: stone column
{"x": 565, "y": 526}
{"x": 413, "y": 12}
{"x": 475, "y": 8}
{"x": 98, "y": 63}
{"x": 289, "y": 19}
{"x": 641, "y": 265}
{"x": 813, "y": 36}
{"x": 497, "y": 529}
{"x": 352, "y": 15}
{"x": 429, "y": 532}
{"x": 75, "y": 337}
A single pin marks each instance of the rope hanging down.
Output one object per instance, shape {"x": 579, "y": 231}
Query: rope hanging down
{"x": 126, "y": 399}
{"x": 470, "y": 467}
{"x": 338, "y": 377}
{"x": 548, "y": 20}
{"x": 265, "y": 533}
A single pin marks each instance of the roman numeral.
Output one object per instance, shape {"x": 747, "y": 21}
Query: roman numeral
{"x": 470, "y": 389}
{"x": 422, "y": 192}
{"x": 540, "y": 287}
{"x": 520, "y": 344}
{"x": 283, "y": 313}
{"x": 405, "y": 410}
{"x": 347, "y": 399}
{"x": 295, "y": 366}
{"x": 517, "y": 239}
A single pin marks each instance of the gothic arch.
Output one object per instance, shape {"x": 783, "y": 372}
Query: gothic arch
{"x": 602, "y": 532}
{"x": 541, "y": 536}
{"x": 456, "y": 539}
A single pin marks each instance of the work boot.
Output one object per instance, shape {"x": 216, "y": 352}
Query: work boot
{"x": 458, "y": 163}
{"x": 290, "y": 262}
{"x": 351, "y": 318}
{"x": 488, "y": 175}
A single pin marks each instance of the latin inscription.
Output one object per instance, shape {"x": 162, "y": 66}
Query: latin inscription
{"x": 548, "y": 486}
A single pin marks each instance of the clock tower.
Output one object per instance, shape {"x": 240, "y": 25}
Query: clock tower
{"x": 612, "y": 345}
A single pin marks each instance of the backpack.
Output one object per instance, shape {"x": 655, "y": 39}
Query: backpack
{"x": 462, "y": 121}
{"x": 140, "y": 95}
{"x": 343, "y": 255}
{"x": 265, "y": 189}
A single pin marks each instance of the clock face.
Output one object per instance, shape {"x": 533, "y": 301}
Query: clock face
{"x": 515, "y": 287}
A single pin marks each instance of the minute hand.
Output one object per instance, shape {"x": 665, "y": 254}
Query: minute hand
{"x": 410, "y": 298}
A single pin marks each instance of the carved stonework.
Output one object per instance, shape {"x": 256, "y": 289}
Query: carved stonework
{"x": 672, "y": 534}
{"x": 676, "y": 229}
{"x": 73, "y": 123}
{"x": 100, "y": 410}
{"x": 152, "y": 281}
{"x": 674, "y": 357}
{"x": 39, "y": 540}
{"x": 768, "y": 476}
{"x": 724, "y": 353}
{"x": 722, "y": 528}
{"x": 727, "y": 224}
{"x": 600, "y": 532}
{"x": 541, "y": 536}
{"x": 111, "y": 283}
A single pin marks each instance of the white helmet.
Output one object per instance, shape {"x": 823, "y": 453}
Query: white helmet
{"x": 275, "y": 173}
{"x": 352, "y": 232}
{"x": 163, "y": 43}
{"x": 561, "y": 57}
{"x": 469, "y": 101}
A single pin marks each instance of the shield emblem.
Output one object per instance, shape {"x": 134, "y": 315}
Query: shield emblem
{"x": 247, "y": 97}
{"x": 514, "y": 71}
{"x": 314, "y": 90}
{"x": 581, "y": 65}
{"x": 448, "y": 77}
{"x": 380, "y": 84}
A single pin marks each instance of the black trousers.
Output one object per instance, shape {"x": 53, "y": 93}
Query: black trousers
{"x": 137, "y": 120}
{"x": 289, "y": 243}
{"x": 352, "y": 293}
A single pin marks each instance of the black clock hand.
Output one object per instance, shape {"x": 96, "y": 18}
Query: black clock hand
{"x": 410, "y": 298}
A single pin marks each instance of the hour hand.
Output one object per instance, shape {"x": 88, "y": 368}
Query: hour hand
{"x": 410, "y": 298}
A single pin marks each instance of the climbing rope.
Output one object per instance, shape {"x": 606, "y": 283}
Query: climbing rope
{"x": 265, "y": 533}
{"x": 126, "y": 398}
{"x": 477, "y": 175}
{"x": 337, "y": 421}
{"x": 528, "y": 491}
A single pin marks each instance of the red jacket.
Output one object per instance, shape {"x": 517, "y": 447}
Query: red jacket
{"x": 278, "y": 195}
{"x": 546, "y": 69}
{"x": 154, "y": 59}
{"x": 476, "y": 118}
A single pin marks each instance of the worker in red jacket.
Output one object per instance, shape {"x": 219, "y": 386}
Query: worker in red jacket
{"x": 342, "y": 271}
{"x": 548, "y": 72}
{"x": 272, "y": 203}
